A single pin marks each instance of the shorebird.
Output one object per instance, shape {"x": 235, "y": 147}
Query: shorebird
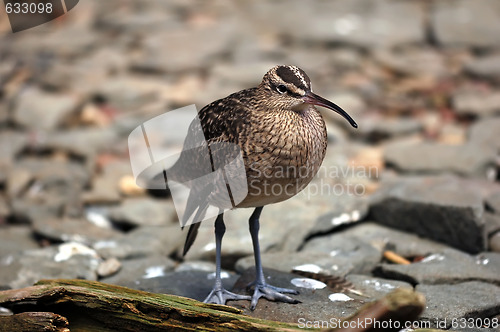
{"x": 283, "y": 140}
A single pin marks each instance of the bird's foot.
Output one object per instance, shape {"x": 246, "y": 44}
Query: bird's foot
{"x": 221, "y": 296}
{"x": 272, "y": 293}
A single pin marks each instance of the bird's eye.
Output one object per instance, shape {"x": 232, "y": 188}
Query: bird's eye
{"x": 281, "y": 88}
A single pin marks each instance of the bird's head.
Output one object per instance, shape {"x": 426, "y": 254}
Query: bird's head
{"x": 290, "y": 88}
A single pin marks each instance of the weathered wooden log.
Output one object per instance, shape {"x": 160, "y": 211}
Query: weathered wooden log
{"x": 95, "y": 306}
{"x": 34, "y": 322}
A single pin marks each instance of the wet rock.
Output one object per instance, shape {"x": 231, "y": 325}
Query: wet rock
{"x": 434, "y": 207}
{"x": 193, "y": 284}
{"x": 446, "y": 267}
{"x": 490, "y": 260}
{"x": 316, "y": 304}
{"x": 287, "y": 261}
{"x": 144, "y": 212}
{"x": 39, "y": 110}
{"x": 14, "y": 239}
{"x": 453, "y": 23}
{"x": 345, "y": 210}
{"x": 385, "y": 238}
{"x": 69, "y": 260}
{"x": 487, "y": 66}
{"x": 446, "y": 302}
{"x": 374, "y": 24}
{"x": 469, "y": 159}
{"x": 108, "y": 267}
{"x": 67, "y": 229}
{"x": 136, "y": 269}
{"x": 141, "y": 242}
{"x": 483, "y": 132}
{"x": 346, "y": 251}
{"x": 375, "y": 288}
{"x": 477, "y": 103}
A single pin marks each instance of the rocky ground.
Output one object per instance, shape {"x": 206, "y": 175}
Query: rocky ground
{"x": 410, "y": 199}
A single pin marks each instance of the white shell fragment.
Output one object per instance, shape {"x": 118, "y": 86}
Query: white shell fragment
{"x": 313, "y": 268}
{"x": 308, "y": 283}
{"x": 339, "y": 297}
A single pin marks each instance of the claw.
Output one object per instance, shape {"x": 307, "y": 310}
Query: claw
{"x": 221, "y": 296}
{"x": 271, "y": 293}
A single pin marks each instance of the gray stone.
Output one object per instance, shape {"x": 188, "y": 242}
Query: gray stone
{"x": 136, "y": 269}
{"x": 385, "y": 238}
{"x": 16, "y": 238}
{"x": 70, "y": 260}
{"x": 487, "y": 66}
{"x": 288, "y": 261}
{"x": 455, "y": 23}
{"x": 362, "y": 23}
{"x": 173, "y": 51}
{"x": 377, "y": 127}
{"x": 375, "y": 288}
{"x": 434, "y": 207}
{"x": 144, "y": 212}
{"x": 193, "y": 284}
{"x": 448, "y": 266}
{"x": 476, "y": 102}
{"x": 346, "y": 251}
{"x": 80, "y": 142}
{"x": 484, "y": 132}
{"x": 345, "y": 210}
{"x": 446, "y": 302}
{"x": 67, "y": 229}
{"x": 490, "y": 260}
{"x": 141, "y": 242}
{"x": 39, "y": 110}
{"x": 470, "y": 159}
{"x": 413, "y": 61}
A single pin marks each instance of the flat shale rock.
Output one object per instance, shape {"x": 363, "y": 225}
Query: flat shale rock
{"x": 485, "y": 132}
{"x": 141, "y": 242}
{"x": 437, "y": 208}
{"x": 144, "y": 212}
{"x": 470, "y": 159}
{"x": 446, "y": 267}
{"x": 472, "y": 299}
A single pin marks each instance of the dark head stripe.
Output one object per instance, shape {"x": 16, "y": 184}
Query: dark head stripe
{"x": 295, "y": 76}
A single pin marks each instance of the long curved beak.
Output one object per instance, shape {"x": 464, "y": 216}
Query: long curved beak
{"x": 314, "y": 99}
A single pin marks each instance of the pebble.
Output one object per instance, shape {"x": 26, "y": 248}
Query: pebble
{"x": 108, "y": 267}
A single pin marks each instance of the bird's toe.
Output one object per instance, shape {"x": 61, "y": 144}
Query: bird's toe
{"x": 272, "y": 293}
{"x": 221, "y": 296}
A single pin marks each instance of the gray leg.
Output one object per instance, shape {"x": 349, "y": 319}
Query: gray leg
{"x": 262, "y": 289}
{"x": 219, "y": 295}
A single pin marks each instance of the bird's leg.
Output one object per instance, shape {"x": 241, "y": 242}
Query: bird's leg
{"x": 219, "y": 295}
{"x": 262, "y": 289}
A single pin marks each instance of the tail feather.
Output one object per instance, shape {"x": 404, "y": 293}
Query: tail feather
{"x": 191, "y": 236}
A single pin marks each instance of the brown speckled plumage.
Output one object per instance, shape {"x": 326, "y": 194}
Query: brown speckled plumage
{"x": 283, "y": 141}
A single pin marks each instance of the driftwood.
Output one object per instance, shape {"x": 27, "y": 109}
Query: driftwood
{"x": 95, "y": 306}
